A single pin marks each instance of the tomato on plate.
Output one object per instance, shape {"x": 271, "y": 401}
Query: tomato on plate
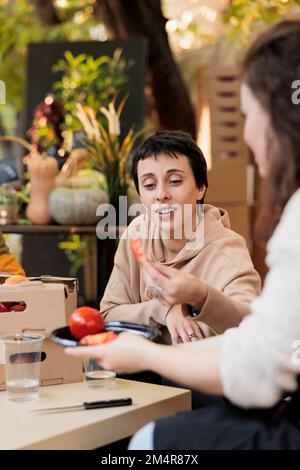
{"x": 100, "y": 338}
{"x": 137, "y": 250}
{"x": 86, "y": 321}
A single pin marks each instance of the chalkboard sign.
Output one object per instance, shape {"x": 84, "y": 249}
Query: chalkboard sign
{"x": 40, "y": 77}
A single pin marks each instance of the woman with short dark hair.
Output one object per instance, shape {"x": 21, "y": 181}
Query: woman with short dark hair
{"x": 179, "y": 231}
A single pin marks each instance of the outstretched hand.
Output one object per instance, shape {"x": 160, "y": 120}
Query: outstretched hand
{"x": 123, "y": 355}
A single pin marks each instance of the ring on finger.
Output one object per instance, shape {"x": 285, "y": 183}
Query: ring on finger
{"x": 154, "y": 291}
{"x": 193, "y": 336}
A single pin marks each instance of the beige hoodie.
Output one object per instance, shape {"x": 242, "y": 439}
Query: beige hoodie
{"x": 221, "y": 260}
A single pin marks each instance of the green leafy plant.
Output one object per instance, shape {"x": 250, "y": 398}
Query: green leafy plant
{"x": 20, "y": 26}
{"x": 245, "y": 16}
{"x": 74, "y": 247}
{"x": 109, "y": 152}
{"x": 93, "y": 82}
{"x": 23, "y": 197}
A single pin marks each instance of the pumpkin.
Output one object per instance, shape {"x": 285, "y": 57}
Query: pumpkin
{"x": 76, "y": 160}
{"x": 87, "y": 179}
{"x": 43, "y": 170}
{"x": 76, "y": 206}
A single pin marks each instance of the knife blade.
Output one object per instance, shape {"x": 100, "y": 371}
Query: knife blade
{"x": 89, "y": 405}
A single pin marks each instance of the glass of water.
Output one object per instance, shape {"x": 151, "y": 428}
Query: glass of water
{"x": 97, "y": 377}
{"x": 22, "y": 365}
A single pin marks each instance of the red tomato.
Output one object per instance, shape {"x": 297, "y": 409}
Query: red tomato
{"x": 137, "y": 250}
{"x": 86, "y": 321}
{"x": 17, "y": 308}
{"x": 3, "y": 308}
{"x": 100, "y": 338}
{"x": 9, "y": 305}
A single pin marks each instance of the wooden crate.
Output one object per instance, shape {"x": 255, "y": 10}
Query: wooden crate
{"x": 219, "y": 89}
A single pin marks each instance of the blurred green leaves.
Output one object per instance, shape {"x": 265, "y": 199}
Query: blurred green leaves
{"x": 93, "y": 82}
{"x": 19, "y": 25}
{"x": 74, "y": 247}
{"x": 246, "y": 16}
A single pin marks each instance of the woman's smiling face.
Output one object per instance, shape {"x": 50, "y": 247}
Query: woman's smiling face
{"x": 168, "y": 190}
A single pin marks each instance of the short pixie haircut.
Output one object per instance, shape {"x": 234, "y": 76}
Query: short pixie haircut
{"x": 172, "y": 144}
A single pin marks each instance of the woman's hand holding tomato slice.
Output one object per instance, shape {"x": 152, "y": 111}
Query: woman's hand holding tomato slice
{"x": 126, "y": 354}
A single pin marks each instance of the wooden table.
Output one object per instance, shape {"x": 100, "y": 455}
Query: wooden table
{"x": 85, "y": 429}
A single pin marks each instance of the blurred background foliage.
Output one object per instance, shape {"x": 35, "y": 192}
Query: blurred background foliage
{"x": 20, "y": 24}
{"x": 189, "y": 24}
{"x": 245, "y": 17}
{"x": 91, "y": 82}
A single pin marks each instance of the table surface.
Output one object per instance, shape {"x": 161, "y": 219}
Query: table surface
{"x": 85, "y": 429}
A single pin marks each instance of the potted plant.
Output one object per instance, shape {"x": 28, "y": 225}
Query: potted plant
{"x": 109, "y": 152}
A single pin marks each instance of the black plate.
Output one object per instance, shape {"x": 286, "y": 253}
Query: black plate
{"x": 63, "y": 336}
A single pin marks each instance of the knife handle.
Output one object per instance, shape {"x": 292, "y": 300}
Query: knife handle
{"x": 89, "y": 405}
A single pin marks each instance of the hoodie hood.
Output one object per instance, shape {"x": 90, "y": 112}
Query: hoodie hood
{"x": 213, "y": 225}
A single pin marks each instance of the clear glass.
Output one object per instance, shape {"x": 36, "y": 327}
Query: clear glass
{"x": 8, "y": 205}
{"x": 22, "y": 365}
{"x": 96, "y": 377}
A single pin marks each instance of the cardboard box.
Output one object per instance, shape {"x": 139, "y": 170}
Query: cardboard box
{"x": 227, "y": 186}
{"x": 240, "y": 221}
{"x": 49, "y": 303}
{"x": 219, "y": 91}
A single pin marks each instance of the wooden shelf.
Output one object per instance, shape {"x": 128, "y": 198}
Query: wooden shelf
{"x": 49, "y": 229}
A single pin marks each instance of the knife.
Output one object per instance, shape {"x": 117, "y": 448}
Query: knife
{"x": 90, "y": 405}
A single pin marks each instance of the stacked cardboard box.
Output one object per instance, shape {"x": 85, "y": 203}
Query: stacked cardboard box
{"x": 49, "y": 301}
{"x": 230, "y": 174}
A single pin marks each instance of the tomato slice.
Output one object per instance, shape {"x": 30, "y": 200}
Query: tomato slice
{"x": 137, "y": 250}
{"x": 100, "y": 338}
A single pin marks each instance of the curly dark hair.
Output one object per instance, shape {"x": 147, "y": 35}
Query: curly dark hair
{"x": 270, "y": 67}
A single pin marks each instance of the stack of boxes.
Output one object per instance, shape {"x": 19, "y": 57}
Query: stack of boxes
{"x": 49, "y": 301}
{"x": 231, "y": 176}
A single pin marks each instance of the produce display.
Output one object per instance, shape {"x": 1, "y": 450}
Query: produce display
{"x": 16, "y": 279}
{"x": 12, "y": 307}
